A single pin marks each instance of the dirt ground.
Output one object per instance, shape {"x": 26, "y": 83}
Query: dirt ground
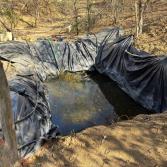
{"x": 153, "y": 39}
{"x": 140, "y": 142}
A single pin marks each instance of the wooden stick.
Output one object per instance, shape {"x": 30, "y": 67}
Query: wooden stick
{"x": 9, "y": 153}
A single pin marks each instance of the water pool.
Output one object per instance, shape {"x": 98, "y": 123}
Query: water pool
{"x": 79, "y": 101}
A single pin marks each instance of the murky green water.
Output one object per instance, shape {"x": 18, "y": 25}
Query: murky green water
{"x": 78, "y": 102}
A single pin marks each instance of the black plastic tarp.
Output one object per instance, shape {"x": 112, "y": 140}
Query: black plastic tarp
{"x": 49, "y": 58}
{"x": 74, "y": 56}
{"x": 141, "y": 75}
{"x": 31, "y": 113}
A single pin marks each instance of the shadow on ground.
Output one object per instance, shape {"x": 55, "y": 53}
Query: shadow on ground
{"x": 139, "y": 142}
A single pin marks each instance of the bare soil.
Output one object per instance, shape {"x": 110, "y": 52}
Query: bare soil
{"x": 140, "y": 142}
{"x": 153, "y": 39}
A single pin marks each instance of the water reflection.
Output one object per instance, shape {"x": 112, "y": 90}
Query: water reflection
{"x": 78, "y": 103}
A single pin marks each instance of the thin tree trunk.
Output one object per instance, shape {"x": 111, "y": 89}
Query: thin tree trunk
{"x": 115, "y": 10}
{"x": 75, "y": 11}
{"x": 9, "y": 154}
{"x": 139, "y": 9}
{"x": 88, "y": 15}
{"x": 37, "y": 12}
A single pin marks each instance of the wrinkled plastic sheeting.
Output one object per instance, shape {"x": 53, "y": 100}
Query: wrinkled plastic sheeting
{"x": 109, "y": 34}
{"x": 49, "y": 58}
{"x": 141, "y": 75}
{"x": 19, "y": 54}
{"x": 73, "y": 56}
{"x": 31, "y": 113}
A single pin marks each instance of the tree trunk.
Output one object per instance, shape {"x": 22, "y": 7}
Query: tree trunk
{"x": 8, "y": 150}
{"x": 115, "y": 10}
{"x": 37, "y": 12}
{"x": 88, "y": 8}
{"x": 75, "y": 11}
{"x": 139, "y": 8}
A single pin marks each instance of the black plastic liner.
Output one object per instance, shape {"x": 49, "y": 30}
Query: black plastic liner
{"x": 48, "y": 58}
{"x": 31, "y": 113}
{"x": 141, "y": 75}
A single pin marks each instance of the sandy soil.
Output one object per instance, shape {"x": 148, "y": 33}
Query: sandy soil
{"x": 140, "y": 142}
{"x": 153, "y": 40}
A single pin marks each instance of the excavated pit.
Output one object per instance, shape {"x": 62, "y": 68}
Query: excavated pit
{"x": 79, "y": 101}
